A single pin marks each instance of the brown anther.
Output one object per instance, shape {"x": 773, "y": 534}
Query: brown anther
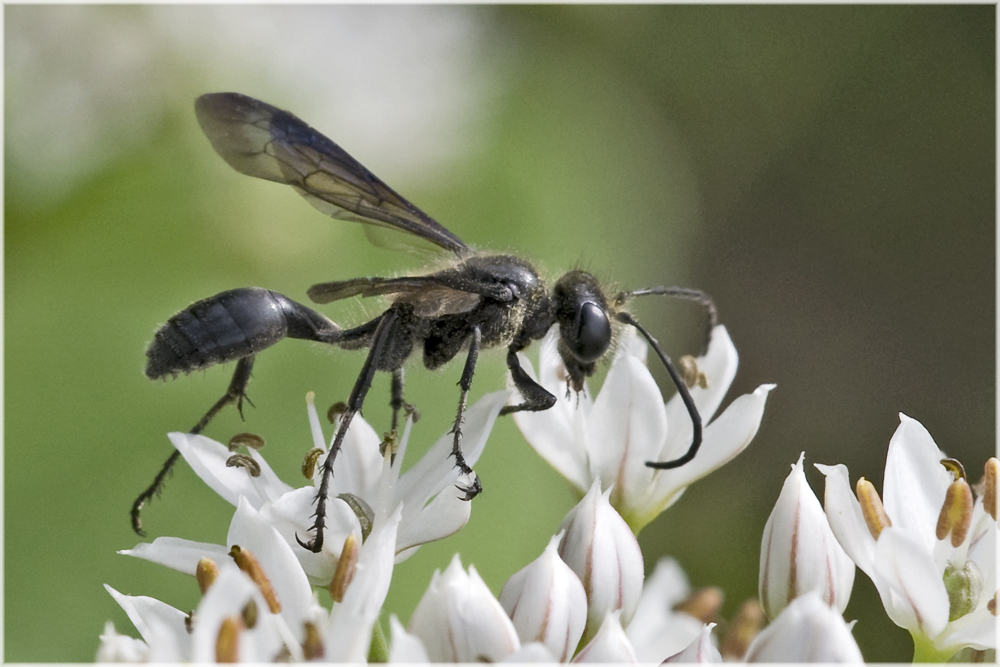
{"x": 955, "y": 467}
{"x": 693, "y": 377}
{"x": 956, "y": 513}
{"x": 251, "y": 440}
{"x": 228, "y": 642}
{"x": 704, "y": 604}
{"x": 346, "y": 567}
{"x": 248, "y": 563}
{"x": 744, "y": 627}
{"x": 390, "y": 441}
{"x": 309, "y": 463}
{"x": 249, "y": 614}
{"x": 335, "y": 410}
{"x": 991, "y": 606}
{"x": 244, "y": 461}
{"x": 206, "y": 572}
{"x": 990, "y": 487}
{"x": 312, "y": 645}
{"x": 871, "y": 507}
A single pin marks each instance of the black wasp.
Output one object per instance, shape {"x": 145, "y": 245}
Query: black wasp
{"x": 479, "y": 301}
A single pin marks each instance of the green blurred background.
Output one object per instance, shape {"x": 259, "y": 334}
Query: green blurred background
{"x": 827, "y": 173}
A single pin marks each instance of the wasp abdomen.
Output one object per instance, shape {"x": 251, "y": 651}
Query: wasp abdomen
{"x": 229, "y": 326}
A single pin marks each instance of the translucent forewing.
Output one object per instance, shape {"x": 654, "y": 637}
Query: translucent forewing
{"x": 260, "y": 140}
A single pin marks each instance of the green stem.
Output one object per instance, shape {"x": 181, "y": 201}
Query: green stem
{"x": 924, "y": 650}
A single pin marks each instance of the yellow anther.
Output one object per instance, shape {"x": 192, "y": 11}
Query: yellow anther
{"x": 251, "y": 440}
{"x": 309, "y": 463}
{"x": 990, "y": 487}
{"x": 228, "y": 642}
{"x": 744, "y": 627}
{"x": 693, "y": 376}
{"x": 205, "y": 573}
{"x": 346, "y": 567}
{"x": 956, "y": 513}
{"x": 871, "y": 508}
{"x": 246, "y": 562}
{"x": 312, "y": 645}
{"x": 704, "y": 604}
{"x": 955, "y": 467}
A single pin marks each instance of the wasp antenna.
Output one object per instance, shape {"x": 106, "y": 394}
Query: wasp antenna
{"x": 688, "y": 294}
{"x": 681, "y": 389}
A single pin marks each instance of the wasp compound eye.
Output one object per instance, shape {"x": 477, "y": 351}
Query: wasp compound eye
{"x": 592, "y": 333}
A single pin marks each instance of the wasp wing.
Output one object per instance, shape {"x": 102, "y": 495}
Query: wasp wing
{"x": 443, "y": 293}
{"x": 260, "y": 140}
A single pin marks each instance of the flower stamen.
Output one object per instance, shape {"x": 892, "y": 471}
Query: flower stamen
{"x": 251, "y": 567}
{"x": 703, "y": 604}
{"x": 956, "y": 513}
{"x": 312, "y": 645}
{"x": 347, "y": 565}
{"x": 249, "y": 440}
{"x": 227, "y": 643}
{"x": 310, "y": 461}
{"x": 871, "y": 507}
{"x": 206, "y": 573}
{"x": 744, "y": 627}
{"x": 990, "y": 487}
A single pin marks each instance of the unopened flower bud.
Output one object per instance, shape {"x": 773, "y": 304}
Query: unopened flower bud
{"x": 547, "y": 603}
{"x": 459, "y": 620}
{"x": 799, "y": 552}
{"x": 610, "y": 644}
{"x": 808, "y": 630}
{"x": 599, "y": 546}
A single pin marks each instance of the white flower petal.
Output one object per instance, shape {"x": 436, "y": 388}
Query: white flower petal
{"x": 719, "y": 365}
{"x": 627, "y": 427}
{"x": 843, "y": 512}
{"x": 547, "y": 603}
{"x": 724, "y": 439}
{"x": 603, "y": 552}
{"x": 700, "y": 650}
{"x": 252, "y": 532}
{"x": 459, "y": 620}
{"x": 799, "y": 552}
{"x": 178, "y": 554}
{"x": 445, "y": 515}
{"x": 406, "y": 648}
{"x": 610, "y": 644}
{"x": 120, "y": 648}
{"x": 807, "y": 630}
{"x": 358, "y": 464}
{"x": 656, "y": 631}
{"x": 208, "y": 460}
{"x": 436, "y": 469}
{"x": 349, "y": 632}
{"x": 915, "y": 482}
{"x": 909, "y": 582}
{"x": 548, "y": 431}
{"x": 149, "y": 615}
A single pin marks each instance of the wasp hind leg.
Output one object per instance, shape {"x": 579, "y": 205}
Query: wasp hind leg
{"x": 236, "y": 393}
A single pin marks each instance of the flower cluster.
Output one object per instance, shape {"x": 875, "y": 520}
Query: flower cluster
{"x": 929, "y": 548}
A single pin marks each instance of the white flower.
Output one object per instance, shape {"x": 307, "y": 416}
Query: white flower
{"x": 547, "y": 603}
{"x": 459, "y": 620}
{"x": 930, "y": 552}
{"x": 610, "y": 644}
{"x": 657, "y": 630}
{"x": 807, "y": 630}
{"x": 611, "y": 438}
{"x": 700, "y": 650}
{"x": 799, "y": 552}
{"x": 432, "y": 507}
{"x": 599, "y": 546}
